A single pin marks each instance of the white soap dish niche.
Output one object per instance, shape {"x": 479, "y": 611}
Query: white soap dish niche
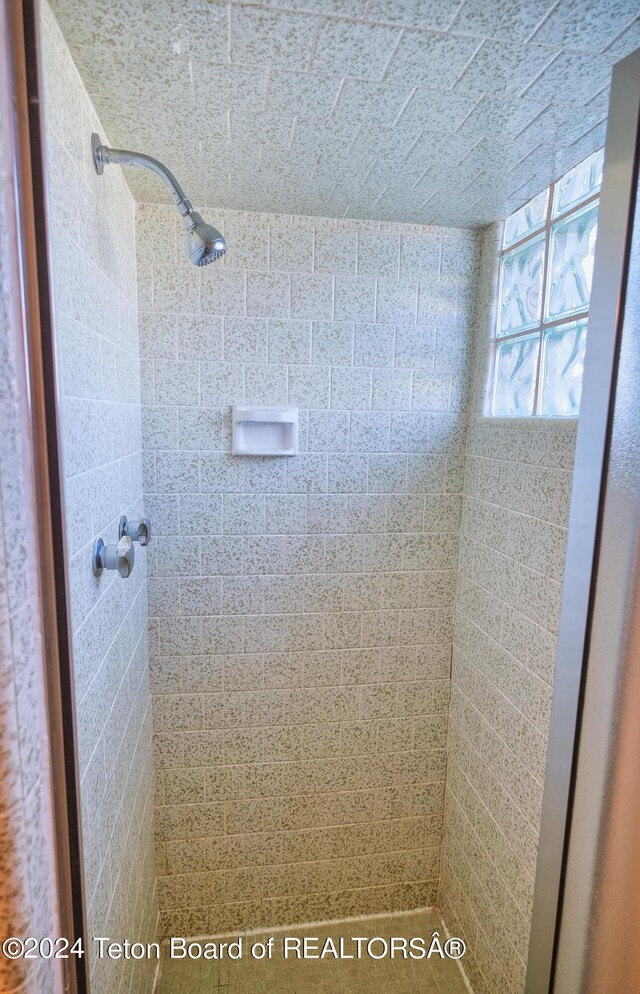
{"x": 265, "y": 431}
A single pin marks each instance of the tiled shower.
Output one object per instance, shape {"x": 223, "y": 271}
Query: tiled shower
{"x": 301, "y": 679}
{"x": 324, "y": 692}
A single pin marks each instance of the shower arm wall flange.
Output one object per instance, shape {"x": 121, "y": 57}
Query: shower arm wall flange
{"x": 103, "y": 155}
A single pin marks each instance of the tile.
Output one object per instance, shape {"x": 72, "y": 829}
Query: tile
{"x": 355, "y": 299}
{"x": 245, "y": 339}
{"x": 427, "y": 59}
{"x": 369, "y": 431}
{"x": 578, "y": 26}
{"x": 265, "y": 37}
{"x": 350, "y": 389}
{"x": 508, "y": 21}
{"x": 391, "y": 390}
{"x": 347, "y": 473}
{"x": 310, "y": 96}
{"x": 437, "y": 303}
{"x": 160, "y": 427}
{"x": 199, "y": 428}
{"x": 243, "y": 515}
{"x": 405, "y": 513}
{"x": 378, "y": 253}
{"x": 438, "y": 113}
{"x": 158, "y": 336}
{"x": 289, "y": 341}
{"x": 276, "y": 65}
{"x": 200, "y": 595}
{"x": 247, "y": 237}
{"x": 413, "y": 13}
{"x": 357, "y": 49}
{"x": 332, "y": 343}
{"x": 312, "y": 297}
{"x": 396, "y": 300}
{"x": 225, "y": 294}
{"x": 307, "y": 473}
{"x": 415, "y": 346}
{"x": 220, "y": 473}
{"x": 287, "y": 514}
{"x": 266, "y": 385}
{"x": 177, "y": 471}
{"x": 177, "y": 382}
{"x": 335, "y": 248}
{"x": 625, "y": 43}
{"x": 431, "y": 391}
{"x": 222, "y": 384}
{"x": 374, "y": 345}
{"x": 577, "y": 76}
{"x": 387, "y": 474}
{"x": 290, "y": 248}
{"x": 420, "y": 254}
{"x": 501, "y": 63}
{"x": 199, "y": 338}
{"x": 366, "y": 513}
{"x": 309, "y": 386}
{"x": 328, "y": 431}
{"x": 268, "y": 295}
{"x": 200, "y": 514}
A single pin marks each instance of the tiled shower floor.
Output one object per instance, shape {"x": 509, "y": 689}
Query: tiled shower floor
{"x": 278, "y": 976}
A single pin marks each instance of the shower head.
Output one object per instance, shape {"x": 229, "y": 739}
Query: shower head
{"x": 205, "y": 244}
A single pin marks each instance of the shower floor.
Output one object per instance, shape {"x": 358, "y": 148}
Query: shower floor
{"x": 279, "y": 976}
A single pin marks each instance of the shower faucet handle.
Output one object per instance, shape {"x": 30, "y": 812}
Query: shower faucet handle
{"x": 138, "y": 531}
{"x": 120, "y": 557}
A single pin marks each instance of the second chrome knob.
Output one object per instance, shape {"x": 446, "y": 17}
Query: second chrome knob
{"x": 138, "y": 531}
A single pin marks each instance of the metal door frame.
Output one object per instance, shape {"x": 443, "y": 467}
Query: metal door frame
{"x": 556, "y": 896}
{"x": 22, "y": 46}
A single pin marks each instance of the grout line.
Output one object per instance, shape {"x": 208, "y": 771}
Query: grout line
{"x": 547, "y": 15}
{"x": 392, "y": 54}
{"x": 260, "y": 930}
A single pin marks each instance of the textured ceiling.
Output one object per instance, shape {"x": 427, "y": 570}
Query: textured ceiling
{"x": 429, "y": 111}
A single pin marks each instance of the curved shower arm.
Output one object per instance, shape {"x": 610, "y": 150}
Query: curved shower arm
{"x": 104, "y": 155}
{"x": 205, "y": 243}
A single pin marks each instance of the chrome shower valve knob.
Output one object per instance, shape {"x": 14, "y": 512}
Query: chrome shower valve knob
{"x": 138, "y": 531}
{"x": 120, "y": 557}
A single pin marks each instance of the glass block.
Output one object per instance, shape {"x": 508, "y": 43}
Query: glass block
{"x": 581, "y": 182}
{"x": 571, "y": 263}
{"x": 521, "y": 287}
{"x": 562, "y": 365}
{"x": 528, "y": 219}
{"x": 515, "y": 376}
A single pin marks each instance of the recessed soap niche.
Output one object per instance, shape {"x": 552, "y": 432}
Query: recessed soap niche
{"x": 265, "y": 431}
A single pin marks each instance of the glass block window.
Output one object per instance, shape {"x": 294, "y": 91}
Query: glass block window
{"x": 546, "y": 271}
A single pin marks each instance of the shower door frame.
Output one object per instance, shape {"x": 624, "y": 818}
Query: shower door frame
{"x": 22, "y": 45}
{"x": 556, "y": 894}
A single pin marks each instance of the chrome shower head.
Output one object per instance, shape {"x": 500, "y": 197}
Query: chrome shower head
{"x": 205, "y": 244}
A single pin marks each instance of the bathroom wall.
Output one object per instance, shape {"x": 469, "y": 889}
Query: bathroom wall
{"x": 94, "y": 278}
{"x": 517, "y": 484}
{"x": 301, "y": 608}
{"x": 28, "y": 892}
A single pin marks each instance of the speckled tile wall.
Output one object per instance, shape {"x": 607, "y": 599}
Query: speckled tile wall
{"x": 92, "y": 228}
{"x": 450, "y": 112}
{"x": 517, "y": 486}
{"x": 28, "y": 894}
{"x": 301, "y": 608}
{"x": 302, "y": 611}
